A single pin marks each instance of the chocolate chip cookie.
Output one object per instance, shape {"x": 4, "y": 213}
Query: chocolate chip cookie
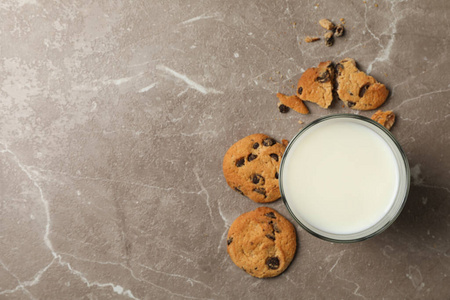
{"x": 357, "y": 89}
{"x": 262, "y": 242}
{"x": 251, "y": 167}
{"x": 293, "y": 102}
{"x": 316, "y": 84}
{"x": 385, "y": 118}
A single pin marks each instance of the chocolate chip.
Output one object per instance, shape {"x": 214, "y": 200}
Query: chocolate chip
{"x": 273, "y": 263}
{"x": 240, "y": 162}
{"x": 363, "y": 90}
{"x": 276, "y": 175}
{"x": 351, "y": 104}
{"x": 256, "y": 178}
{"x": 351, "y": 94}
{"x": 339, "y": 68}
{"x": 339, "y": 31}
{"x": 251, "y": 157}
{"x": 230, "y": 240}
{"x": 238, "y": 190}
{"x": 255, "y": 146}
{"x": 324, "y": 77}
{"x": 269, "y": 142}
{"x": 270, "y": 237}
{"x": 274, "y": 156}
{"x": 276, "y": 229}
{"x": 270, "y": 215}
{"x": 261, "y": 191}
{"x": 283, "y": 108}
{"x": 300, "y": 90}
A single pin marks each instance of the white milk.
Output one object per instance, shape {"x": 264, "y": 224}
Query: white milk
{"x": 340, "y": 177}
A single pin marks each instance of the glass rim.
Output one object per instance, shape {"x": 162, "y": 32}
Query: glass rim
{"x": 404, "y": 160}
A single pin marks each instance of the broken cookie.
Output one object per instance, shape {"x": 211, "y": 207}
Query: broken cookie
{"x": 385, "y": 118}
{"x": 316, "y": 84}
{"x": 293, "y": 102}
{"x": 357, "y": 89}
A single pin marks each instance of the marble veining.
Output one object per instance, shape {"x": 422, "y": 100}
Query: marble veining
{"x": 115, "y": 117}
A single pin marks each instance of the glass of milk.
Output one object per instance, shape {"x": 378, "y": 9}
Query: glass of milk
{"x": 344, "y": 178}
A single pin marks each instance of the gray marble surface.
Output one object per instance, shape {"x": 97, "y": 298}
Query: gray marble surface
{"x": 115, "y": 116}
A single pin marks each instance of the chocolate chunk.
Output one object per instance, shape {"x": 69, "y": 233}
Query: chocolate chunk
{"x": 274, "y": 156}
{"x": 256, "y": 178}
{"x": 255, "y": 146}
{"x": 363, "y": 90}
{"x": 270, "y": 237}
{"x": 324, "y": 77}
{"x": 269, "y": 142}
{"x": 238, "y": 190}
{"x": 276, "y": 175}
{"x": 283, "y": 108}
{"x": 240, "y": 162}
{"x": 261, "y": 191}
{"x": 300, "y": 90}
{"x": 230, "y": 240}
{"x": 251, "y": 157}
{"x": 351, "y": 104}
{"x": 273, "y": 263}
{"x": 270, "y": 215}
{"x": 339, "y": 31}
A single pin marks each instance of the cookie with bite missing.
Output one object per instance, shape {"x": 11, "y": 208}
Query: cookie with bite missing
{"x": 251, "y": 167}
{"x": 262, "y": 242}
{"x": 357, "y": 89}
{"x": 316, "y": 84}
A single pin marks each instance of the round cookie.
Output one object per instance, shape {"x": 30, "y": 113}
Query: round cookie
{"x": 251, "y": 167}
{"x": 262, "y": 242}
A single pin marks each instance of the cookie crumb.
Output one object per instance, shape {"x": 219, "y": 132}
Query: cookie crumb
{"x": 376, "y": 5}
{"x": 342, "y": 20}
{"x": 300, "y": 122}
{"x": 284, "y": 142}
{"x": 329, "y": 40}
{"x": 327, "y": 24}
{"x": 339, "y": 31}
{"x": 385, "y": 118}
{"x": 309, "y": 39}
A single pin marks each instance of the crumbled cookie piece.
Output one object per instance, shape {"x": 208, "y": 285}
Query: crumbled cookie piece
{"x": 262, "y": 242}
{"x": 357, "y": 89}
{"x": 339, "y": 31}
{"x": 284, "y": 142}
{"x": 293, "y": 102}
{"x": 251, "y": 167}
{"x": 385, "y": 118}
{"x": 327, "y": 24}
{"x": 309, "y": 39}
{"x": 316, "y": 84}
{"x": 329, "y": 40}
